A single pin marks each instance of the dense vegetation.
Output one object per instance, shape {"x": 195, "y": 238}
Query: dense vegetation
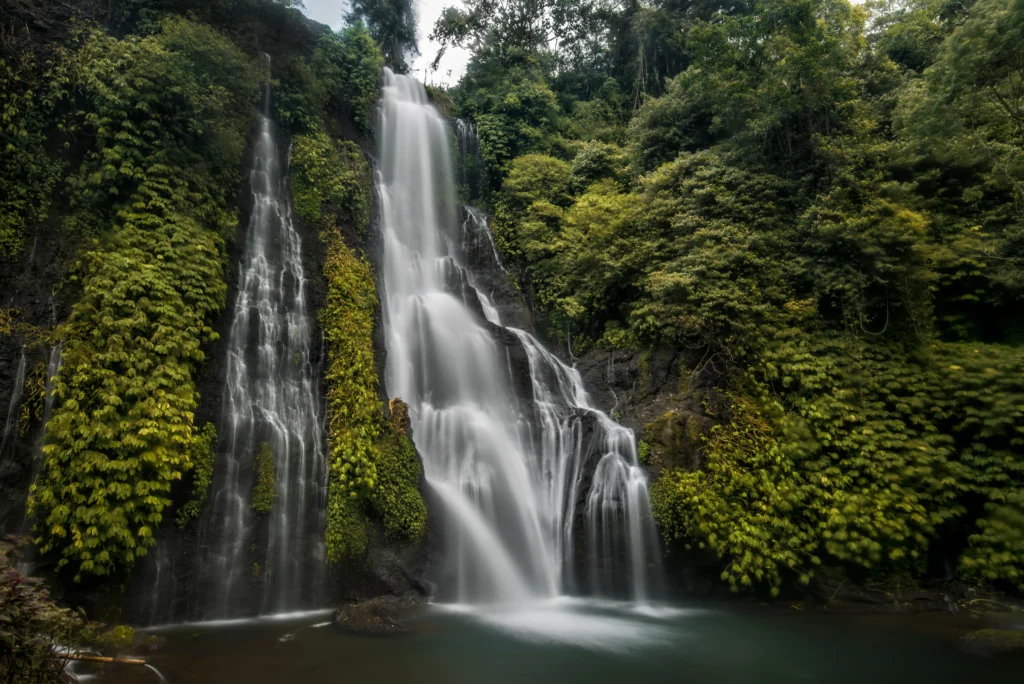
{"x": 31, "y": 624}
{"x": 819, "y": 204}
{"x": 125, "y": 131}
{"x": 165, "y": 141}
{"x": 373, "y": 465}
{"x": 823, "y": 205}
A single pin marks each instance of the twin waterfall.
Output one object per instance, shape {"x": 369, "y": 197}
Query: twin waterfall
{"x": 535, "y": 493}
{"x": 540, "y": 493}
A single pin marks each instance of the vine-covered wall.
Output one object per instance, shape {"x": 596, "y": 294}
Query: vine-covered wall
{"x": 374, "y": 470}
{"x": 161, "y": 120}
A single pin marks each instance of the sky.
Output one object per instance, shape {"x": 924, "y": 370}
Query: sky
{"x": 427, "y": 11}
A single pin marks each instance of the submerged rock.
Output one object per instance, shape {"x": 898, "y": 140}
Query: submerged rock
{"x": 989, "y": 642}
{"x": 381, "y": 616}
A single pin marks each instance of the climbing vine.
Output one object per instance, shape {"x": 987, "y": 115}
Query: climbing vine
{"x": 204, "y": 451}
{"x": 164, "y": 118}
{"x": 28, "y": 174}
{"x": 396, "y": 498}
{"x": 352, "y": 402}
{"x": 373, "y": 464}
{"x": 330, "y": 181}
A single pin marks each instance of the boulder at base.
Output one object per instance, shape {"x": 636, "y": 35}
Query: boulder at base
{"x": 381, "y": 616}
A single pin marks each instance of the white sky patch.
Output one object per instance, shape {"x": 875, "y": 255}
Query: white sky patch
{"x": 452, "y": 65}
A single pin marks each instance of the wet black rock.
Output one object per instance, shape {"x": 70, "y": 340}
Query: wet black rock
{"x": 380, "y": 616}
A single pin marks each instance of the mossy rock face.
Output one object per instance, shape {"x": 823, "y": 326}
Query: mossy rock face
{"x": 123, "y": 639}
{"x": 675, "y": 440}
{"x": 994, "y": 641}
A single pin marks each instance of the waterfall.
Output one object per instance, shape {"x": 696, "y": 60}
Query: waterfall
{"x": 271, "y": 399}
{"x": 540, "y": 493}
{"x": 26, "y": 564}
{"x": 11, "y": 424}
{"x": 470, "y": 163}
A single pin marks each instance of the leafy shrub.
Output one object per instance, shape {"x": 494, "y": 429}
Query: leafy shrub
{"x": 32, "y": 626}
{"x": 348, "y": 65}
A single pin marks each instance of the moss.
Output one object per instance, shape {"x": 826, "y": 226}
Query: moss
{"x": 347, "y": 528}
{"x": 203, "y": 455}
{"x": 644, "y": 368}
{"x": 264, "y": 491}
{"x": 330, "y": 181}
{"x": 118, "y": 638}
{"x": 396, "y": 498}
{"x": 643, "y": 453}
{"x": 990, "y": 641}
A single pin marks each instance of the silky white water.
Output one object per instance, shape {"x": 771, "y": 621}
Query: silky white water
{"x": 270, "y": 397}
{"x": 540, "y": 493}
{"x": 11, "y": 424}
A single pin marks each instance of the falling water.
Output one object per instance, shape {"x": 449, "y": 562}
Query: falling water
{"x": 540, "y": 492}
{"x": 26, "y": 564}
{"x": 270, "y": 396}
{"x": 470, "y": 162}
{"x": 52, "y": 368}
{"x": 12, "y": 407}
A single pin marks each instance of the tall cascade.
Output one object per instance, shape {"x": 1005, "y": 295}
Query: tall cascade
{"x": 271, "y": 401}
{"x": 540, "y": 493}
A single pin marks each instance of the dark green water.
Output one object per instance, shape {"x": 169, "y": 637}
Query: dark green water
{"x": 585, "y": 644}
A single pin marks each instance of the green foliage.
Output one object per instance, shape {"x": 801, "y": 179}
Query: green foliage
{"x": 396, "y": 498}
{"x": 530, "y": 208}
{"x": 330, "y": 181}
{"x": 28, "y": 174}
{"x": 347, "y": 527}
{"x": 163, "y": 119}
{"x": 348, "y": 65}
{"x": 117, "y": 639}
{"x": 168, "y": 115}
{"x": 32, "y": 626}
{"x": 352, "y": 403}
{"x": 204, "y": 451}
{"x": 872, "y": 455}
{"x": 643, "y": 453}
{"x": 820, "y": 203}
{"x": 371, "y": 464}
{"x": 741, "y": 504}
{"x": 996, "y": 551}
{"x": 264, "y": 490}
{"x": 339, "y": 79}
